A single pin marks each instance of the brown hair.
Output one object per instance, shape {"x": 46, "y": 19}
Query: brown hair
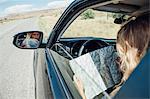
{"x": 132, "y": 42}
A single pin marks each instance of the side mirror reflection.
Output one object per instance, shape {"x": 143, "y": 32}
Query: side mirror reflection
{"x": 28, "y": 40}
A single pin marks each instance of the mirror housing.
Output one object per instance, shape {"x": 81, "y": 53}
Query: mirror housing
{"x": 28, "y": 39}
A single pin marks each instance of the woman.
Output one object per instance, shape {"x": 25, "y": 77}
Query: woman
{"x": 133, "y": 40}
{"x": 132, "y": 43}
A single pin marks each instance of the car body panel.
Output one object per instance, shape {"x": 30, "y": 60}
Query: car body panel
{"x": 57, "y": 81}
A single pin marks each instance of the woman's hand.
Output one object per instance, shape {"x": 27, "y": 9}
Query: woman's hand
{"x": 79, "y": 86}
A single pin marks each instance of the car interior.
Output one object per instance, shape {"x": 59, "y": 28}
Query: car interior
{"x": 66, "y": 49}
{"x": 73, "y": 44}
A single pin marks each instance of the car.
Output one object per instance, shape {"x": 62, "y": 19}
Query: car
{"x": 91, "y": 32}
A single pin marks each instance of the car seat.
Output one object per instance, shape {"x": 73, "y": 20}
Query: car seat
{"x": 137, "y": 86}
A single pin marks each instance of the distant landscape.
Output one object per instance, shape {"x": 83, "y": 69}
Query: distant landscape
{"x": 40, "y": 13}
{"x": 100, "y": 26}
{"x": 46, "y": 18}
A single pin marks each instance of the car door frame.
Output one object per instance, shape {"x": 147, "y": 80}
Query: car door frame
{"x": 58, "y": 85}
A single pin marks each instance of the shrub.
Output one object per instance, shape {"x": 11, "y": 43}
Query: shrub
{"x": 88, "y": 14}
{"x": 117, "y": 15}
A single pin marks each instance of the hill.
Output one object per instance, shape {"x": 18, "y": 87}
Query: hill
{"x": 46, "y": 12}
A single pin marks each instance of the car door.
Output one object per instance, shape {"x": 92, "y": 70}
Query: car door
{"x": 60, "y": 81}
{"x": 42, "y": 85}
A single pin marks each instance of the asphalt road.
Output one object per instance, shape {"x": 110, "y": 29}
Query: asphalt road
{"x": 16, "y": 65}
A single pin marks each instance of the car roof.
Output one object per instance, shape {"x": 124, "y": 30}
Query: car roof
{"x": 124, "y": 6}
{"x": 120, "y": 6}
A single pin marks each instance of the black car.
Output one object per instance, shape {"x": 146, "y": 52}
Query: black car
{"x": 85, "y": 26}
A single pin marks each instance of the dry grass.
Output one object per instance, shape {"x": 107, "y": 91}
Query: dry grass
{"x": 93, "y": 28}
{"x": 46, "y": 24}
{"x": 101, "y": 26}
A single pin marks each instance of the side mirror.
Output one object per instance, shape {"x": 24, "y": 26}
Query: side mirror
{"x": 28, "y": 40}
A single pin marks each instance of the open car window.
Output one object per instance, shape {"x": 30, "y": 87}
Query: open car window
{"x": 93, "y": 23}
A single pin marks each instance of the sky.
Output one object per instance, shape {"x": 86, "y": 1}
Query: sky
{"x": 18, "y": 6}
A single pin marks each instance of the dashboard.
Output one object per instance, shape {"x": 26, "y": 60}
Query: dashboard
{"x": 75, "y": 47}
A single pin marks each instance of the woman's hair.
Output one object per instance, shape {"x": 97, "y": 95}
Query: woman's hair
{"x": 133, "y": 40}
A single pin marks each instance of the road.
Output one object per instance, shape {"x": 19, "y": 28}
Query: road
{"x": 16, "y": 65}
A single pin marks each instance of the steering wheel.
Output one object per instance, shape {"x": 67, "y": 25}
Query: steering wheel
{"x": 91, "y": 45}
